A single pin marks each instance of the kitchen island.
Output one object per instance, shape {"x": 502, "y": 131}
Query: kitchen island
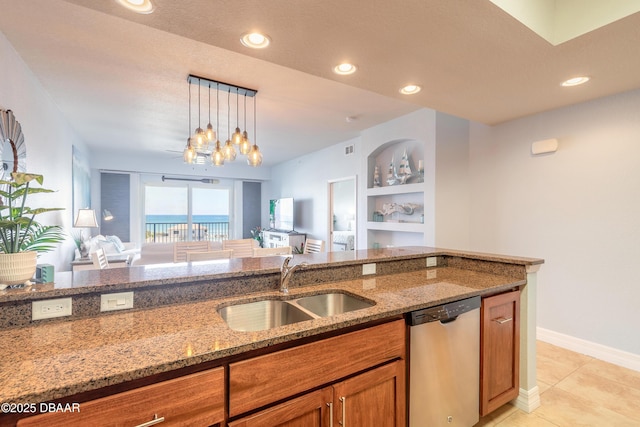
{"x": 175, "y": 329}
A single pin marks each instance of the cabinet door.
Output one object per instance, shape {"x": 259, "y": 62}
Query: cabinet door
{"x": 311, "y": 410}
{"x": 500, "y": 350}
{"x": 375, "y": 398}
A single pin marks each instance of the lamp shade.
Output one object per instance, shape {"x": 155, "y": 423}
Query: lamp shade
{"x": 86, "y": 219}
{"x": 107, "y": 215}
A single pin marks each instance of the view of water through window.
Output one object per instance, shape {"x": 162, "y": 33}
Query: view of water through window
{"x": 182, "y": 213}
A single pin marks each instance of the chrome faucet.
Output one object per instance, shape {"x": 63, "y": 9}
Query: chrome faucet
{"x": 286, "y": 272}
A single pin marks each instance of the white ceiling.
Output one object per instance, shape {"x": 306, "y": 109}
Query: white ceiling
{"x": 120, "y": 77}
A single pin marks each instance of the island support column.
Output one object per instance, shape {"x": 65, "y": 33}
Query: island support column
{"x": 529, "y": 397}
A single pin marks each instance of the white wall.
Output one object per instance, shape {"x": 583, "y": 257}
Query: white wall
{"x": 48, "y": 138}
{"x": 579, "y": 209}
{"x": 306, "y": 180}
{"x": 452, "y": 213}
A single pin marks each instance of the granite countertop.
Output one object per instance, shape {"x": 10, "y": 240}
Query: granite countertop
{"x": 136, "y": 277}
{"x": 53, "y": 360}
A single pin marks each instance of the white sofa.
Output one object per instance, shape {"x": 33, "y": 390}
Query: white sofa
{"x": 113, "y": 247}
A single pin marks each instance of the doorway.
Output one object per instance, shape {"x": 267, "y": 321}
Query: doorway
{"x": 342, "y": 214}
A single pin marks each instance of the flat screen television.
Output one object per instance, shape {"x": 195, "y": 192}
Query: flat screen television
{"x": 281, "y": 214}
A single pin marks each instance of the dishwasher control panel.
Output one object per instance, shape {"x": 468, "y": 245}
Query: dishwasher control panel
{"x": 449, "y": 311}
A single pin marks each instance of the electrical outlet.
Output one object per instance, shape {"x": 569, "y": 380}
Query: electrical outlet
{"x": 50, "y": 308}
{"x": 368, "y": 269}
{"x": 116, "y": 301}
{"x": 432, "y": 261}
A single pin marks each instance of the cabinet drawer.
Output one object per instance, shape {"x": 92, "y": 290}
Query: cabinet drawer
{"x": 262, "y": 380}
{"x": 196, "y": 399}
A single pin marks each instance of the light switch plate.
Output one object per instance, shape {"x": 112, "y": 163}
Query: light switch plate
{"x": 368, "y": 269}
{"x": 50, "y": 308}
{"x": 116, "y": 301}
{"x": 432, "y": 261}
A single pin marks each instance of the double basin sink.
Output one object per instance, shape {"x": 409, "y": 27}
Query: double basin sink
{"x": 271, "y": 313}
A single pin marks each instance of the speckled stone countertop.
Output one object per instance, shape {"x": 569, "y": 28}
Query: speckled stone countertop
{"x": 53, "y": 360}
{"x": 68, "y": 283}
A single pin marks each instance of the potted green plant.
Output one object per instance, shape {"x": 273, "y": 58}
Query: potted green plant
{"x": 21, "y": 237}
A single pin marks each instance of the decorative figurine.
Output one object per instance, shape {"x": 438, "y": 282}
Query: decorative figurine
{"x": 376, "y": 177}
{"x": 391, "y": 174}
{"x": 404, "y": 170}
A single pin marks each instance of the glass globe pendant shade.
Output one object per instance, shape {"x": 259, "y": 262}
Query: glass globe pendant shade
{"x": 217, "y": 156}
{"x": 245, "y": 145}
{"x": 189, "y": 154}
{"x": 210, "y": 133}
{"x": 229, "y": 151}
{"x": 254, "y": 158}
{"x": 200, "y": 139}
{"x": 236, "y": 138}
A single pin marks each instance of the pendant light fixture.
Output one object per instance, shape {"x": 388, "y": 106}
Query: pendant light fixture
{"x": 236, "y": 138}
{"x": 189, "y": 155}
{"x": 229, "y": 150}
{"x": 245, "y": 145}
{"x": 217, "y": 156}
{"x": 199, "y": 137}
{"x": 210, "y": 133}
{"x": 254, "y": 157}
{"x": 205, "y": 143}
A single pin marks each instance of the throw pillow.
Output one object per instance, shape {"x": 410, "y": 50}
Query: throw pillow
{"x": 117, "y": 242}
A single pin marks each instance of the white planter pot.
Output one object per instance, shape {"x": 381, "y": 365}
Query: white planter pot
{"x": 17, "y": 268}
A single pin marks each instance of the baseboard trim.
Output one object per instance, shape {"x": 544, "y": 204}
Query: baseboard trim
{"x": 599, "y": 351}
{"x": 527, "y": 400}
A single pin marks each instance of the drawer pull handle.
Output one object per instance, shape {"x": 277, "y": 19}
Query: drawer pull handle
{"x": 343, "y": 423}
{"x": 330, "y": 405}
{"x": 154, "y": 421}
{"x": 502, "y": 320}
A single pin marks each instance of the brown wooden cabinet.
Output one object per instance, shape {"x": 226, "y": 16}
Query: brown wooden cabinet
{"x": 192, "y": 400}
{"x": 311, "y": 410}
{"x": 374, "y": 398}
{"x": 372, "y": 360}
{"x": 500, "y": 350}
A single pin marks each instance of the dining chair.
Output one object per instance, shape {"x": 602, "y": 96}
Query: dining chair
{"x": 208, "y": 255}
{"x": 313, "y": 246}
{"x": 180, "y": 249}
{"x": 283, "y": 250}
{"x": 99, "y": 259}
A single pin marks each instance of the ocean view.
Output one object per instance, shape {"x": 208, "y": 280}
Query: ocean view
{"x": 172, "y": 219}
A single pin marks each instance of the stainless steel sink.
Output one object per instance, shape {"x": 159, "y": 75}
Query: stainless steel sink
{"x": 262, "y": 315}
{"x": 324, "y": 305}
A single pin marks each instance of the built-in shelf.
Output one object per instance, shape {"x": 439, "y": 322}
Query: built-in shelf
{"x": 407, "y": 227}
{"x": 396, "y": 189}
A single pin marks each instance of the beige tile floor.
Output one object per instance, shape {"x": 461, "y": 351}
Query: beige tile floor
{"x": 576, "y": 390}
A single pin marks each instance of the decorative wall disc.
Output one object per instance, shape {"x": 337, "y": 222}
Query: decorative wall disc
{"x": 13, "y": 150}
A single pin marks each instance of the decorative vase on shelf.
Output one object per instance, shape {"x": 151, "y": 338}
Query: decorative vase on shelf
{"x": 376, "y": 177}
{"x": 420, "y": 171}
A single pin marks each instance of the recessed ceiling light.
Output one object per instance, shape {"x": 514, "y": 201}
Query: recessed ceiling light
{"x": 344, "y": 69}
{"x": 138, "y": 6}
{"x": 410, "y": 89}
{"x": 255, "y": 40}
{"x": 575, "y": 81}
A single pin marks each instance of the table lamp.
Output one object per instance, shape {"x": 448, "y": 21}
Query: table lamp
{"x": 86, "y": 219}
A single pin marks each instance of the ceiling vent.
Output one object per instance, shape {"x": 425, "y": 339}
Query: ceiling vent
{"x": 348, "y": 150}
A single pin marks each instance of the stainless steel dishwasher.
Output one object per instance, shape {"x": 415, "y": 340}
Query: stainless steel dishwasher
{"x": 444, "y": 365}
